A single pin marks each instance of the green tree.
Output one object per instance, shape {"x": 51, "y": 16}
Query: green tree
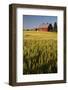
{"x": 50, "y": 27}
{"x": 55, "y": 27}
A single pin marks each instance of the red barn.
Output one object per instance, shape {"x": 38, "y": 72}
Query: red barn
{"x": 43, "y": 27}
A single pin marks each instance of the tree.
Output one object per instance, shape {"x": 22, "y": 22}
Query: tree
{"x": 36, "y": 29}
{"x": 27, "y": 29}
{"x": 50, "y": 27}
{"x": 55, "y": 27}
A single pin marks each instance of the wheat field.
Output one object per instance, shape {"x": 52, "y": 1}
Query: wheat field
{"x": 40, "y": 52}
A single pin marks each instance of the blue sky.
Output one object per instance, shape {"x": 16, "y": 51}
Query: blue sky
{"x": 33, "y": 21}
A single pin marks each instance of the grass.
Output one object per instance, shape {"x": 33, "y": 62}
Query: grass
{"x": 40, "y": 52}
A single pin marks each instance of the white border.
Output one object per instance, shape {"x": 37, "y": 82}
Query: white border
{"x": 39, "y": 77}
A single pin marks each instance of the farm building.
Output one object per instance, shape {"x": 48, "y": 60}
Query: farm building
{"x": 43, "y": 27}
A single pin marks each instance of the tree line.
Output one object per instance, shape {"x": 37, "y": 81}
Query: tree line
{"x": 52, "y": 28}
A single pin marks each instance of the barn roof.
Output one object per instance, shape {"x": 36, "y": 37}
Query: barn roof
{"x": 43, "y": 25}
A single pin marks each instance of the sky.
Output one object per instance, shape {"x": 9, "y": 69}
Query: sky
{"x": 33, "y": 21}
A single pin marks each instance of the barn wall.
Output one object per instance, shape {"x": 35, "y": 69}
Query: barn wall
{"x": 43, "y": 29}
